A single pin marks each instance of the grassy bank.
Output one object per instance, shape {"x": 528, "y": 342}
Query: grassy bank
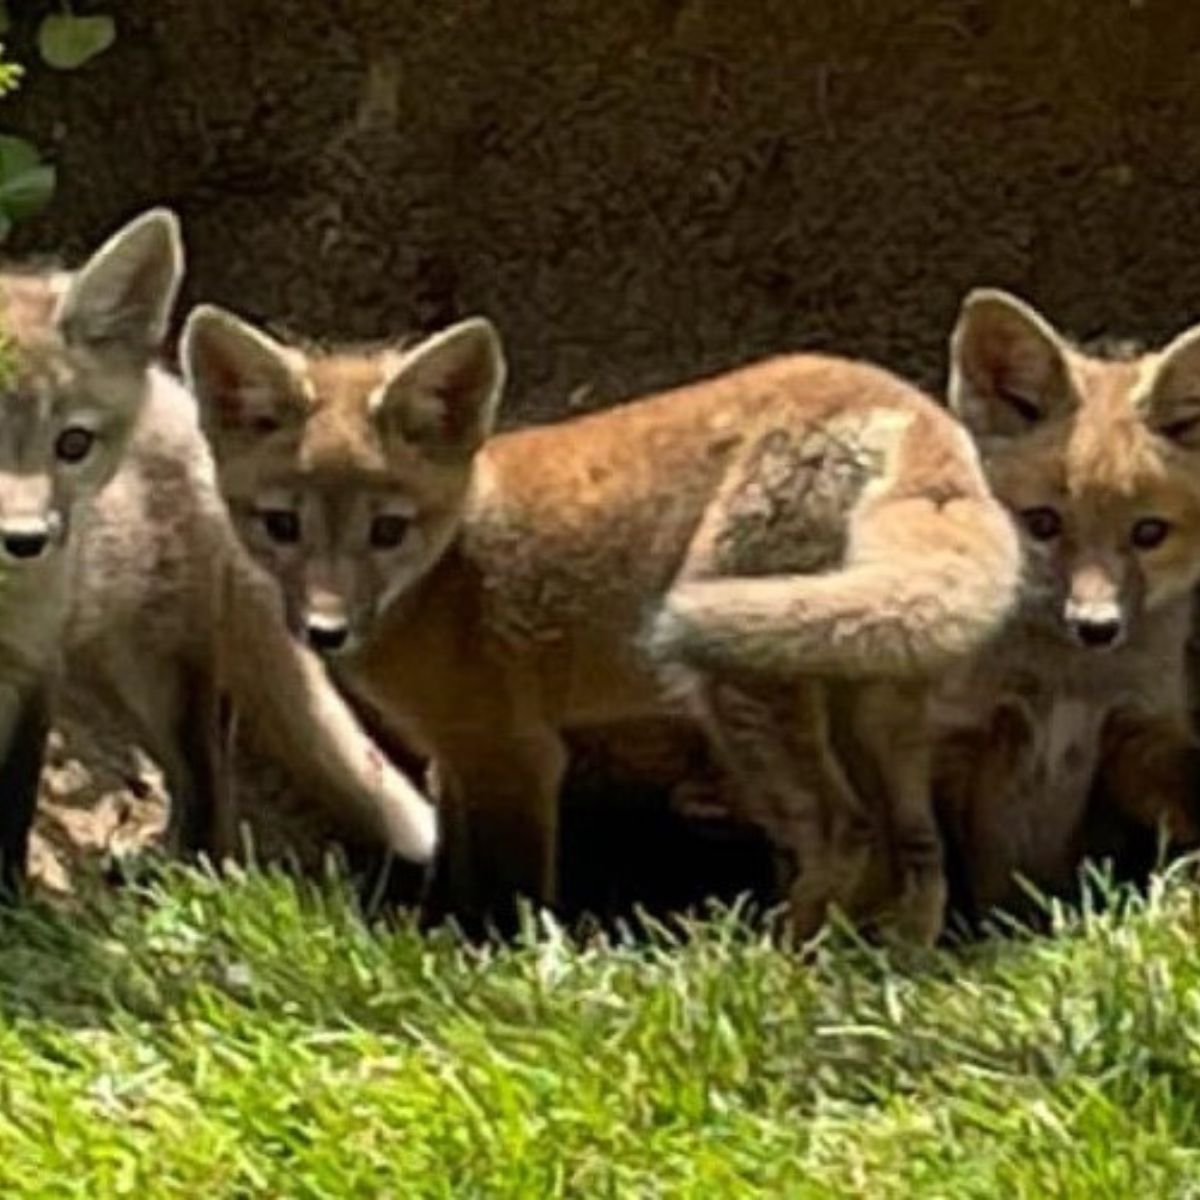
{"x": 241, "y": 1040}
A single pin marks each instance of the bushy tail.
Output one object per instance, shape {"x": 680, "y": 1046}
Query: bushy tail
{"x": 283, "y": 693}
{"x": 907, "y": 604}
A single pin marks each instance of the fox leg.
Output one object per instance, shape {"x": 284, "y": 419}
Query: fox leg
{"x": 298, "y": 716}
{"x": 27, "y": 718}
{"x": 892, "y": 723}
{"x": 500, "y": 804}
{"x": 389, "y": 881}
{"x": 203, "y": 815}
{"x": 174, "y": 708}
{"x": 776, "y": 745}
{"x": 1150, "y": 771}
{"x": 982, "y": 781}
{"x": 863, "y": 614}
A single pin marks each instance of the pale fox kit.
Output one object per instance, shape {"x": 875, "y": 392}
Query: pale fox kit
{"x": 118, "y": 564}
{"x": 726, "y": 545}
{"x": 1085, "y": 694}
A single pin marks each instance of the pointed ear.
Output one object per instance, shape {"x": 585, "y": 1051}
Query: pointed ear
{"x": 1008, "y": 366}
{"x": 120, "y": 300}
{"x": 1170, "y": 398}
{"x": 444, "y": 394}
{"x": 244, "y": 381}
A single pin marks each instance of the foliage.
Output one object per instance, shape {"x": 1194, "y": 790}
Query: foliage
{"x": 65, "y": 41}
{"x": 245, "y": 1039}
{"x": 26, "y": 183}
{"x": 10, "y": 73}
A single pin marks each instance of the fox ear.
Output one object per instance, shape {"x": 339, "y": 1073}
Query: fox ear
{"x": 121, "y": 298}
{"x": 444, "y": 394}
{"x": 243, "y": 380}
{"x": 1170, "y": 401}
{"x": 1008, "y": 366}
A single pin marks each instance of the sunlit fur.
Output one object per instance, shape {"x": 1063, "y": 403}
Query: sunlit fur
{"x": 725, "y": 548}
{"x": 1102, "y": 467}
{"x": 1079, "y": 711}
{"x": 74, "y": 363}
{"x": 334, "y": 468}
{"x": 138, "y": 586}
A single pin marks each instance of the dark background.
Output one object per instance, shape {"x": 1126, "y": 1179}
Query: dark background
{"x": 639, "y": 191}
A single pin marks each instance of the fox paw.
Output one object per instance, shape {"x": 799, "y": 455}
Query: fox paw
{"x": 921, "y": 909}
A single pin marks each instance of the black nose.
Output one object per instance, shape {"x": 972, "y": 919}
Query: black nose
{"x": 1098, "y": 633}
{"x": 25, "y": 545}
{"x": 327, "y": 637}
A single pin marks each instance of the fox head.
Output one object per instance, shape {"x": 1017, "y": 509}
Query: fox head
{"x": 345, "y": 474}
{"x": 73, "y": 376}
{"x": 1099, "y": 461}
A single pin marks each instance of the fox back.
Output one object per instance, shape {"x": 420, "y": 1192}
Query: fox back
{"x": 350, "y": 476}
{"x": 727, "y": 547}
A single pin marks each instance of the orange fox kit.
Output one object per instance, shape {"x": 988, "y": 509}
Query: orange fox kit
{"x": 728, "y": 546}
{"x": 1086, "y": 692}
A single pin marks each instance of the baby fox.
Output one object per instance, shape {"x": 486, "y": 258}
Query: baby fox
{"x": 118, "y": 561}
{"x": 1086, "y": 692}
{"x": 729, "y": 546}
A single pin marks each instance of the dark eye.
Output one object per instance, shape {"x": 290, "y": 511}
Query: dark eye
{"x": 281, "y": 524}
{"x": 1044, "y": 524}
{"x": 74, "y": 444}
{"x": 388, "y": 531}
{"x": 1149, "y": 532}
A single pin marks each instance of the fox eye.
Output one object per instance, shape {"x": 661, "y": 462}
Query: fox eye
{"x": 388, "y": 531}
{"x": 74, "y": 444}
{"x": 281, "y": 524}
{"x": 1149, "y": 532}
{"x": 1043, "y": 524}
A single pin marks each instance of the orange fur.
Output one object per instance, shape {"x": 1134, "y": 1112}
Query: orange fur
{"x": 730, "y": 547}
{"x": 119, "y": 566}
{"x": 1086, "y": 692}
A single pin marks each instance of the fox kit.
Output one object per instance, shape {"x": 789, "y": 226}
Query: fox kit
{"x": 735, "y": 543}
{"x": 1086, "y": 692}
{"x": 118, "y": 563}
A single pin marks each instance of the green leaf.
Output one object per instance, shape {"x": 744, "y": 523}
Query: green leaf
{"x": 27, "y": 194}
{"x": 26, "y": 183}
{"x": 66, "y": 41}
{"x": 17, "y": 155}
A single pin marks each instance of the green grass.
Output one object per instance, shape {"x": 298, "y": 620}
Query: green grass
{"x": 239, "y": 1039}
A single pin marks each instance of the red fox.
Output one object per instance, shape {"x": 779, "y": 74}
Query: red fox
{"x": 1085, "y": 693}
{"x": 118, "y": 564}
{"x": 742, "y": 547}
